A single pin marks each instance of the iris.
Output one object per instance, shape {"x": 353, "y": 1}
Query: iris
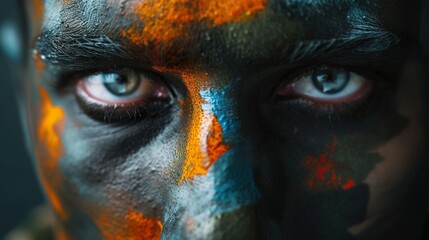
{"x": 330, "y": 81}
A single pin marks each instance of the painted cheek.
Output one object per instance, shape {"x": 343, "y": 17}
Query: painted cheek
{"x": 50, "y": 149}
{"x": 133, "y": 226}
{"x": 323, "y": 172}
{"x": 205, "y": 144}
{"x": 165, "y": 20}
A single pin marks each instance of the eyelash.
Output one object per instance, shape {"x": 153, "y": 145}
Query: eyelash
{"x": 301, "y": 106}
{"x": 335, "y": 112}
{"x": 330, "y": 113}
{"x": 123, "y": 112}
{"x": 117, "y": 113}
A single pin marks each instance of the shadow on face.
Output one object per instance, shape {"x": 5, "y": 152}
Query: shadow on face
{"x": 227, "y": 120}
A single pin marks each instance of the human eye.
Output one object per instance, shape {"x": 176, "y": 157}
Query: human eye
{"x": 125, "y": 94}
{"x": 326, "y": 89}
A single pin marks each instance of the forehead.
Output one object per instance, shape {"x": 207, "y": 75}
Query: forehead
{"x": 215, "y": 13}
{"x": 255, "y": 31}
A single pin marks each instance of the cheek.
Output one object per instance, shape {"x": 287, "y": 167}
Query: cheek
{"x": 120, "y": 175}
{"x": 323, "y": 172}
{"x": 391, "y": 180}
{"x": 403, "y": 155}
{"x": 49, "y": 149}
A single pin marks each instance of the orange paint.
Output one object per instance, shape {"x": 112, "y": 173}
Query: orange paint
{"x": 61, "y": 235}
{"x": 215, "y": 146}
{"x": 133, "y": 226}
{"x": 322, "y": 171}
{"x": 38, "y": 62}
{"x": 50, "y": 127}
{"x": 143, "y": 228}
{"x": 37, "y": 14}
{"x": 204, "y": 146}
{"x": 38, "y": 9}
{"x": 204, "y": 140}
{"x": 165, "y": 20}
{"x": 50, "y": 149}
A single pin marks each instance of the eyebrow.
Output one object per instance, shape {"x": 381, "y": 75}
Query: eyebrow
{"x": 363, "y": 38}
{"x": 364, "y": 43}
{"x": 80, "y": 52}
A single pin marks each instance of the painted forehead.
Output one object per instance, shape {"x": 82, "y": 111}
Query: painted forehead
{"x": 243, "y": 32}
{"x": 162, "y": 20}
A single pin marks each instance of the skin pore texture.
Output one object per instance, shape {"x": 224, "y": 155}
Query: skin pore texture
{"x": 226, "y": 156}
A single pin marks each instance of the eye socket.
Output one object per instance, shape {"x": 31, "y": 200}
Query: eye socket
{"x": 121, "y": 87}
{"x": 326, "y": 85}
{"x": 120, "y": 95}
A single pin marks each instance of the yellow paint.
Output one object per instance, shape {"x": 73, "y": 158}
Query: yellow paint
{"x": 165, "y": 20}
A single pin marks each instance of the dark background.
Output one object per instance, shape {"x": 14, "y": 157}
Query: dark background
{"x": 19, "y": 190}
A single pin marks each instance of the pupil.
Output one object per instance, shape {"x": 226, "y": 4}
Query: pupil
{"x": 120, "y": 84}
{"x": 330, "y": 81}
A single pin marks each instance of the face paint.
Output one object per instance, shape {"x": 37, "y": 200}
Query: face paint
{"x": 142, "y": 227}
{"x": 213, "y": 139}
{"x": 38, "y": 62}
{"x": 214, "y": 161}
{"x": 134, "y": 225}
{"x": 205, "y": 143}
{"x": 38, "y": 9}
{"x": 323, "y": 171}
{"x": 169, "y": 19}
{"x": 50, "y": 128}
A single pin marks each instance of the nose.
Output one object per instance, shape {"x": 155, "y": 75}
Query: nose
{"x": 236, "y": 225}
{"x": 215, "y": 194}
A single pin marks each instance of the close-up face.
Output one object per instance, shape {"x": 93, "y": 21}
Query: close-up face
{"x": 245, "y": 119}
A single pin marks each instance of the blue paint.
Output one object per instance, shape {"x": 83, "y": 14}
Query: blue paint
{"x": 234, "y": 184}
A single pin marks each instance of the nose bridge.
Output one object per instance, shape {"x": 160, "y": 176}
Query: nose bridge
{"x": 234, "y": 187}
{"x": 215, "y": 187}
{"x": 205, "y": 142}
{"x": 216, "y": 148}
{"x": 215, "y": 190}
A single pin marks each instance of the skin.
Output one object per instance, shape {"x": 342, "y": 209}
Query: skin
{"x": 225, "y": 157}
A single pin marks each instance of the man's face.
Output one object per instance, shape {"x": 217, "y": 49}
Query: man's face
{"x": 204, "y": 119}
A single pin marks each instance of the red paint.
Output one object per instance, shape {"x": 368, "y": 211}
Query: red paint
{"x": 349, "y": 184}
{"x": 323, "y": 171}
